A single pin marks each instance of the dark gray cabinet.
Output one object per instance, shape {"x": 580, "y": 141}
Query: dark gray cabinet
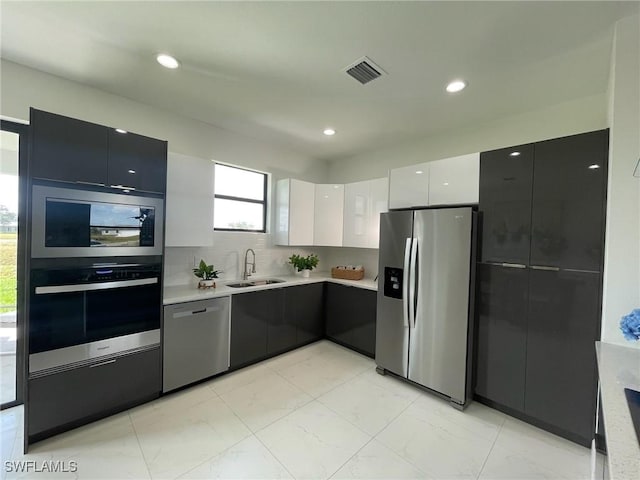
{"x": 251, "y": 314}
{"x": 569, "y": 202}
{"x": 71, "y": 150}
{"x": 506, "y": 182}
{"x": 268, "y": 322}
{"x": 502, "y": 301}
{"x": 305, "y": 307}
{"x": 74, "y": 397}
{"x": 350, "y": 317}
{"x": 67, "y": 149}
{"x": 563, "y": 324}
{"x": 137, "y": 161}
{"x": 539, "y": 304}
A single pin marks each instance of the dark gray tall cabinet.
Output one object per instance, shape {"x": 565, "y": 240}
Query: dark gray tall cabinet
{"x": 542, "y": 208}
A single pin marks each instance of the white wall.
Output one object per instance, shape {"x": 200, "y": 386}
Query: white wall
{"x": 622, "y": 244}
{"x": 581, "y": 115}
{"x": 22, "y": 87}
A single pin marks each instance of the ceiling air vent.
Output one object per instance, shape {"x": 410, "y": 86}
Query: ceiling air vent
{"x": 364, "y": 70}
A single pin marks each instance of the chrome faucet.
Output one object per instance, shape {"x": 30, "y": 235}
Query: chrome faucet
{"x": 248, "y": 273}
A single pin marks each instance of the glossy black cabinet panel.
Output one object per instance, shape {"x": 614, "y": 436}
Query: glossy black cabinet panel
{"x": 350, "y": 317}
{"x": 569, "y": 201}
{"x": 281, "y": 329}
{"x": 65, "y": 400}
{"x": 67, "y": 149}
{"x": 502, "y": 302}
{"x": 505, "y": 204}
{"x": 251, "y": 314}
{"x": 137, "y": 161}
{"x": 304, "y": 307}
{"x": 563, "y": 325}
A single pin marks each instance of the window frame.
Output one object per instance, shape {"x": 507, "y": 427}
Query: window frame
{"x": 263, "y": 202}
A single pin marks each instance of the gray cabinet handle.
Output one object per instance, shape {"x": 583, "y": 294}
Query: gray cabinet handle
{"x": 108, "y": 362}
{"x": 506, "y": 265}
{"x": 87, "y": 287}
{"x": 545, "y": 268}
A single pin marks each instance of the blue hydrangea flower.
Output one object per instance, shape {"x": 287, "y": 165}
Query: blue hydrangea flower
{"x": 630, "y": 325}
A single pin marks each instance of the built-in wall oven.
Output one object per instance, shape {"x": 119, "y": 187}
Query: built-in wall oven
{"x": 81, "y": 313}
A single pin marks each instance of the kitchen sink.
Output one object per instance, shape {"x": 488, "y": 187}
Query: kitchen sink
{"x": 254, "y": 283}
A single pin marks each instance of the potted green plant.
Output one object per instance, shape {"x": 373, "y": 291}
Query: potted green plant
{"x": 206, "y": 274}
{"x": 304, "y": 264}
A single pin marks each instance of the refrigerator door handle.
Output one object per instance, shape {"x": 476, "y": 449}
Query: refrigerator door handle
{"x": 405, "y": 282}
{"x": 412, "y": 284}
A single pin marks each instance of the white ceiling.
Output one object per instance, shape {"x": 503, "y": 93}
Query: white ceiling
{"x": 274, "y": 70}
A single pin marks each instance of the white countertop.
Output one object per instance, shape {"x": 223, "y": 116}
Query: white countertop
{"x": 188, "y": 293}
{"x": 619, "y": 368}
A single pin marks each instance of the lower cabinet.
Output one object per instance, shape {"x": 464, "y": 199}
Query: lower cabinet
{"x": 269, "y": 322}
{"x": 350, "y": 317}
{"x": 536, "y": 346}
{"x": 73, "y": 397}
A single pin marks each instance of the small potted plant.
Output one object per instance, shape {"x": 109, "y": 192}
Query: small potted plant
{"x": 304, "y": 264}
{"x": 206, "y": 274}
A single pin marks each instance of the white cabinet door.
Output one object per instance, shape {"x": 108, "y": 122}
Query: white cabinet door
{"x": 409, "y": 186}
{"x": 189, "y": 201}
{"x": 454, "y": 180}
{"x": 294, "y": 212}
{"x": 379, "y": 198}
{"x": 328, "y": 218}
{"x": 356, "y": 214}
{"x": 363, "y": 203}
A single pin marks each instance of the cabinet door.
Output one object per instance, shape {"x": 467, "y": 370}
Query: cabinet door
{"x": 328, "y": 215}
{"x": 363, "y": 320}
{"x": 137, "y": 161}
{"x": 563, "y": 325}
{"x": 350, "y": 317}
{"x": 251, "y": 314}
{"x": 378, "y": 201}
{"x": 409, "y": 186}
{"x": 502, "y": 301}
{"x": 357, "y": 214}
{"x": 569, "y": 202}
{"x": 454, "y": 181}
{"x": 189, "y": 217}
{"x": 64, "y": 400}
{"x": 281, "y": 328}
{"x": 506, "y": 181}
{"x": 294, "y": 212}
{"x": 304, "y": 307}
{"x": 67, "y": 149}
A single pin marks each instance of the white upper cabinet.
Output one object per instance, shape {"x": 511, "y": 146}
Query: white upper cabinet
{"x": 409, "y": 186}
{"x": 189, "y": 201}
{"x": 294, "y": 212}
{"x": 450, "y": 181}
{"x": 328, "y": 217}
{"x": 363, "y": 203}
{"x": 454, "y": 180}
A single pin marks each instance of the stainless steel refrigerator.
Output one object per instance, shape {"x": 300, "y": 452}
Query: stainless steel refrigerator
{"x": 424, "y": 316}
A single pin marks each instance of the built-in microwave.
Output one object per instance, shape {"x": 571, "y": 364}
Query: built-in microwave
{"x": 82, "y": 223}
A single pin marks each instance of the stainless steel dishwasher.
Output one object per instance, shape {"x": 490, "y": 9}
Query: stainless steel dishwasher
{"x": 196, "y": 341}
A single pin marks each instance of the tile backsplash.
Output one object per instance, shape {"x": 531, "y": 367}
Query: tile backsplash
{"x": 227, "y": 254}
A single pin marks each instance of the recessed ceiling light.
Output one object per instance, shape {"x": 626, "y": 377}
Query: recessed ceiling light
{"x": 456, "y": 86}
{"x": 120, "y": 130}
{"x": 514, "y": 154}
{"x": 446, "y": 183}
{"x": 419, "y": 172}
{"x": 595, "y": 166}
{"x": 132, "y": 171}
{"x": 167, "y": 60}
{"x": 329, "y": 131}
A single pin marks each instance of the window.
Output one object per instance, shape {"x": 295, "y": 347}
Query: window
{"x": 240, "y": 202}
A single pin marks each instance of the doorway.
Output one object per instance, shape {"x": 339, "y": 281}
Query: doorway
{"x": 13, "y": 143}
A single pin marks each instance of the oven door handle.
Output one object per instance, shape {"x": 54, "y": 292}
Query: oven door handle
{"x": 87, "y": 287}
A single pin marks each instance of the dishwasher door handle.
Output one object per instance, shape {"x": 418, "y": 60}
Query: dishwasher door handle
{"x": 191, "y": 313}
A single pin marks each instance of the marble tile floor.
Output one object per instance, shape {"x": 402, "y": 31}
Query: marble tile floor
{"x": 315, "y": 413}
